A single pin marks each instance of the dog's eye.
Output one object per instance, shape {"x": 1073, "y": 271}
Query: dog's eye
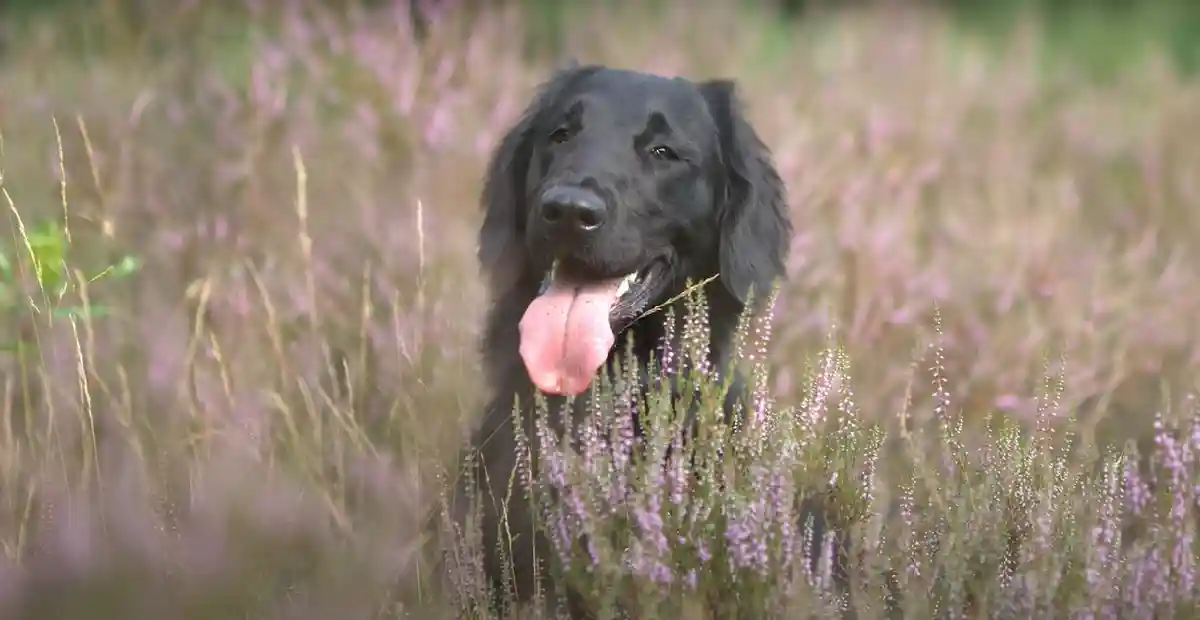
{"x": 560, "y": 135}
{"x": 664, "y": 153}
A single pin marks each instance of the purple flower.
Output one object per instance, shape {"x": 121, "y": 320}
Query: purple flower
{"x": 1137, "y": 492}
{"x": 745, "y": 536}
{"x": 650, "y": 525}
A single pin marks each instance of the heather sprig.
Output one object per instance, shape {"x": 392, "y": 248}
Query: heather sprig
{"x": 655, "y": 519}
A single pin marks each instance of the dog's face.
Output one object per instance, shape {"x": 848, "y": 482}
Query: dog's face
{"x": 614, "y": 189}
{"x": 620, "y": 186}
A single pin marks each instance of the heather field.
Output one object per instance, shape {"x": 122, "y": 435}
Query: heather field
{"x": 240, "y": 303}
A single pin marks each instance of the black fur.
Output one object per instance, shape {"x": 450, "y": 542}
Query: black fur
{"x": 711, "y": 203}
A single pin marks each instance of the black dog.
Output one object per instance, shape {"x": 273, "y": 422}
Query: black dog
{"x": 611, "y": 192}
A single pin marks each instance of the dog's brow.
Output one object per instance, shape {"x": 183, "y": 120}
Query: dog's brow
{"x": 657, "y": 126}
{"x": 574, "y": 112}
{"x": 658, "y": 123}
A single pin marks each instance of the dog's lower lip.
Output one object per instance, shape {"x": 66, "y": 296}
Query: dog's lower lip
{"x": 627, "y": 283}
{"x": 644, "y": 275}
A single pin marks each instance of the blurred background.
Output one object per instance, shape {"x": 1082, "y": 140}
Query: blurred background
{"x": 261, "y": 354}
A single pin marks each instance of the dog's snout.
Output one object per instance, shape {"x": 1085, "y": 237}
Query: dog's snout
{"x": 573, "y": 208}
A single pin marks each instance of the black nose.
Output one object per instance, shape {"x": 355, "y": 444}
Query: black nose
{"x": 573, "y": 208}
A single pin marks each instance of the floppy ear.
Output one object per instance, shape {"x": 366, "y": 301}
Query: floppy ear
{"x": 755, "y": 231}
{"x": 501, "y": 254}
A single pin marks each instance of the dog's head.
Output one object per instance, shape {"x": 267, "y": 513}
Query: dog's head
{"x": 611, "y": 192}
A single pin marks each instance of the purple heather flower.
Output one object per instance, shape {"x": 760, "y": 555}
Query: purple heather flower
{"x": 677, "y": 476}
{"x": 650, "y": 525}
{"x": 552, "y": 461}
{"x": 1174, "y": 463}
{"x": 643, "y": 563}
{"x": 1137, "y": 492}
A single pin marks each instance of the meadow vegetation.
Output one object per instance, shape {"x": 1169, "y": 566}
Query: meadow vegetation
{"x": 239, "y": 309}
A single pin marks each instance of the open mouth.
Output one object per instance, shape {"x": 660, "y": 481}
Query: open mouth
{"x": 568, "y": 331}
{"x": 630, "y": 297}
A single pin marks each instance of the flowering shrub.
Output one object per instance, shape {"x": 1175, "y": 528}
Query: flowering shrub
{"x": 654, "y": 514}
{"x": 1018, "y": 527}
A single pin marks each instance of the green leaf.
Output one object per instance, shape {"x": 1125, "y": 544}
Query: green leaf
{"x": 48, "y": 249}
{"x": 51, "y": 275}
{"x": 127, "y": 266}
{"x": 48, "y": 245}
{"x": 78, "y": 312}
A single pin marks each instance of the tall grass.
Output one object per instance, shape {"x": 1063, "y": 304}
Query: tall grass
{"x": 261, "y": 420}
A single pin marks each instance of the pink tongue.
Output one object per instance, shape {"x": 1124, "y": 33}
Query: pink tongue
{"x": 565, "y": 336}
